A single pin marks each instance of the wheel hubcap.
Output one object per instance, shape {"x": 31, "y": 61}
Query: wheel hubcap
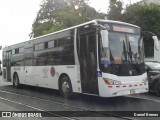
{"x": 16, "y": 80}
{"x": 65, "y": 87}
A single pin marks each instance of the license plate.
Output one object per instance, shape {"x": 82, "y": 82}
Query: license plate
{"x": 132, "y": 91}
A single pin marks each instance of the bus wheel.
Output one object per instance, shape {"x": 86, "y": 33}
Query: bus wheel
{"x": 157, "y": 88}
{"x": 66, "y": 87}
{"x": 16, "y": 81}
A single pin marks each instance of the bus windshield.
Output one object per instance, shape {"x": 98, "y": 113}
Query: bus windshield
{"x": 124, "y": 53}
{"x": 125, "y": 47}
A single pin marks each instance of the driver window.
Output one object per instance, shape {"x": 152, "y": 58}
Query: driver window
{"x": 117, "y": 43}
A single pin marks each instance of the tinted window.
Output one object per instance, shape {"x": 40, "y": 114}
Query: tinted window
{"x": 13, "y": 51}
{"x": 36, "y": 47}
{"x": 21, "y": 50}
{"x": 16, "y": 50}
{"x": 55, "y": 52}
{"x": 46, "y": 57}
{"x": 40, "y": 57}
{"x": 17, "y": 60}
{"x": 40, "y": 46}
{"x": 29, "y": 56}
{"x": 66, "y": 51}
{"x": 51, "y": 57}
{"x": 65, "y": 41}
{"x": 51, "y": 44}
{"x": 4, "y": 59}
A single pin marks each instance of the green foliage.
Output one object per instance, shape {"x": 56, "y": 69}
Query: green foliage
{"x": 147, "y": 16}
{"x": 55, "y": 15}
{"x": 45, "y": 17}
{"x": 115, "y": 9}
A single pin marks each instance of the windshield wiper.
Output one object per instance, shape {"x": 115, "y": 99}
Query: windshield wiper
{"x": 130, "y": 53}
{"x": 124, "y": 53}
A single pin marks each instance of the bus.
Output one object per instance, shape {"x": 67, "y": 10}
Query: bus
{"x": 102, "y": 58}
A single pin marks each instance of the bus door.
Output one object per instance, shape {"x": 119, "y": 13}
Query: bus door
{"x": 8, "y": 66}
{"x": 88, "y": 63}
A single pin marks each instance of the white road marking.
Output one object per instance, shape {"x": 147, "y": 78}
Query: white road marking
{"x": 43, "y": 99}
{"x": 48, "y": 101}
{"x": 35, "y": 108}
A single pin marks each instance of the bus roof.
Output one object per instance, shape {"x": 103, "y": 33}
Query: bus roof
{"x": 93, "y": 21}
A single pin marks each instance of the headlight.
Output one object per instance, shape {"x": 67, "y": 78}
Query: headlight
{"x": 144, "y": 80}
{"x": 111, "y": 82}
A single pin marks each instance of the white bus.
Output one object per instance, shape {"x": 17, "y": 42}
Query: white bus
{"x": 102, "y": 57}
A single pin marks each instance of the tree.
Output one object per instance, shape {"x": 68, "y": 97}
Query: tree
{"x": 59, "y": 14}
{"x": 147, "y": 16}
{"x": 115, "y": 10}
{"x": 45, "y": 17}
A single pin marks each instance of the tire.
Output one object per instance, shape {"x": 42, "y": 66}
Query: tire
{"x": 66, "y": 88}
{"x": 157, "y": 88}
{"x": 16, "y": 81}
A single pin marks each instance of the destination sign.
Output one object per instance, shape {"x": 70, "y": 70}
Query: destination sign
{"x": 123, "y": 29}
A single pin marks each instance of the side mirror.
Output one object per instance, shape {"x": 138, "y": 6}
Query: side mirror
{"x": 156, "y": 43}
{"x": 146, "y": 67}
{"x": 104, "y": 36}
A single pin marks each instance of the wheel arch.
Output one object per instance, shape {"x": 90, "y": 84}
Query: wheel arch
{"x": 60, "y": 78}
{"x": 14, "y": 74}
{"x": 16, "y": 82}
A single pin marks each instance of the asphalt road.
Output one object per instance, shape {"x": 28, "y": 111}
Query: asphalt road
{"x": 35, "y": 99}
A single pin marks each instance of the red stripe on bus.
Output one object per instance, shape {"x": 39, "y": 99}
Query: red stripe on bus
{"x": 110, "y": 86}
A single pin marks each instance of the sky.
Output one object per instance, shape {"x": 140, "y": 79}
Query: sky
{"x": 17, "y": 16}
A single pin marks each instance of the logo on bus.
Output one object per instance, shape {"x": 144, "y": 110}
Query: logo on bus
{"x": 52, "y": 71}
{"x": 99, "y": 73}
